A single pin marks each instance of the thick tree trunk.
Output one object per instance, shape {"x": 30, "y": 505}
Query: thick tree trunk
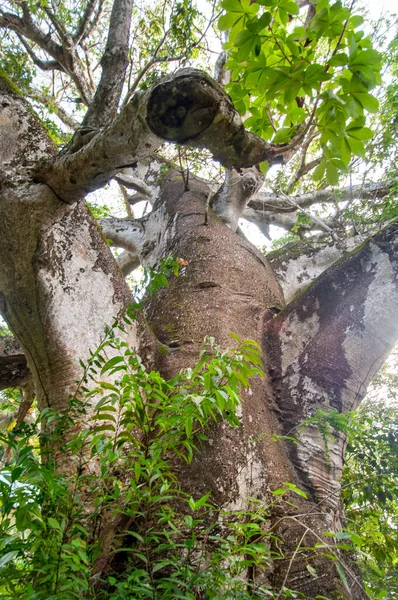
{"x": 59, "y": 286}
{"x": 228, "y": 286}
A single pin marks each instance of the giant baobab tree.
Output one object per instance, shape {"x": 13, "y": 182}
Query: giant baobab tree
{"x": 323, "y": 309}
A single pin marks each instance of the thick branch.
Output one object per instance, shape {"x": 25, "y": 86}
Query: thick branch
{"x": 134, "y": 183}
{"x": 344, "y": 326}
{"x": 23, "y": 139}
{"x": 297, "y": 265}
{"x": 326, "y": 345}
{"x": 124, "y": 233}
{"x": 189, "y": 108}
{"x": 114, "y": 64}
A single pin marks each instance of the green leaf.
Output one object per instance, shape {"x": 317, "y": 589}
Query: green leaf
{"x": 295, "y": 489}
{"x": 232, "y": 6}
{"x": 366, "y": 57}
{"x": 332, "y": 174}
{"x": 282, "y": 135}
{"x": 339, "y": 60}
{"x": 279, "y": 492}
{"x": 343, "y": 578}
{"x": 360, "y": 133}
{"x": 111, "y": 363}
{"x": 227, "y": 21}
{"x": 319, "y": 171}
{"x": 264, "y": 167}
{"x": 367, "y": 101}
{"x": 53, "y": 523}
{"x": 7, "y": 557}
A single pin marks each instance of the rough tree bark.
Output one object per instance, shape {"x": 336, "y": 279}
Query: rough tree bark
{"x": 59, "y": 286}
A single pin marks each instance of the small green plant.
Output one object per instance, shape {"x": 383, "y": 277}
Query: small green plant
{"x": 126, "y": 456}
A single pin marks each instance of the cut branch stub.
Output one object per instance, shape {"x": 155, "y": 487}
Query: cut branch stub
{"x": 182, "y": 108}
{"x": 192, "y": 108}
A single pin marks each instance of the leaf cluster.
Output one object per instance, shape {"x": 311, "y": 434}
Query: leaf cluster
{"x": 300, "y": 74}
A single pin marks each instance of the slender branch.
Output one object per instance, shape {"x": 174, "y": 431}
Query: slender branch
{"x": 58, "y": 25}
{"x": 44, "y": 65}
{"x": 54, "y": 106}
{"x": 134, "y": 183}
{"x": 165, "y": 59}
{"x": 114, "y": 63}
{"x": 84, "y": 22}
{"x": 64, "y": 55}
{"x": 276, "y": 203}
{"x": 27, "y": 28}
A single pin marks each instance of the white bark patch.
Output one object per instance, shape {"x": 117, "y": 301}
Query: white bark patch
{"x": 250, "y": 482}
{"x": 77, "y": 290}
{"x": 23, "y": 140}
{"x": 298, "y": 271}
{"x": 295, "y": 336}
{"x": 322, "y": 461}
{"x": 158, "y": 233}
{"x": 367, "y": 342}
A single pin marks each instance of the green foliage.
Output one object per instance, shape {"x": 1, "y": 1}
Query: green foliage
{"x": 292, "y": 78}
{"x": 370, "y": 494}
{"x": 99, "y": 211}
{"x": 126, "y": 456}
{"x": 369, "y": 487}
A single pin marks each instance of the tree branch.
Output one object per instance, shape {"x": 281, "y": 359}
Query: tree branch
{"x": 326, "y": 345}
{"x": 55, "y": 107}
{"x": 231, "y": 199}
{"x": 344, "y": 326}
{"x": 27, "y": 28}
{"x": 128, "y": 262}
{"x": 87, "y": 23}
{"x": 64, "y": 55}
{"x": 124, "y": 233}
{"x": 44, "y": 65}
{"x": 18, "y": 125}
{"x": 134, "y": 183}
{"x": 114, "y": 64}
{"x": 276, "y": 203}
{"x": 297, "y": 264}
{"x": 188, "y": 108}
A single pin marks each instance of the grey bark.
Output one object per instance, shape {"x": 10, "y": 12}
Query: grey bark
{"x": 114, "y": 63}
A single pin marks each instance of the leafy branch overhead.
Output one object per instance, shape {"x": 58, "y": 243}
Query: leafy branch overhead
{"x": 303, "y": 71}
